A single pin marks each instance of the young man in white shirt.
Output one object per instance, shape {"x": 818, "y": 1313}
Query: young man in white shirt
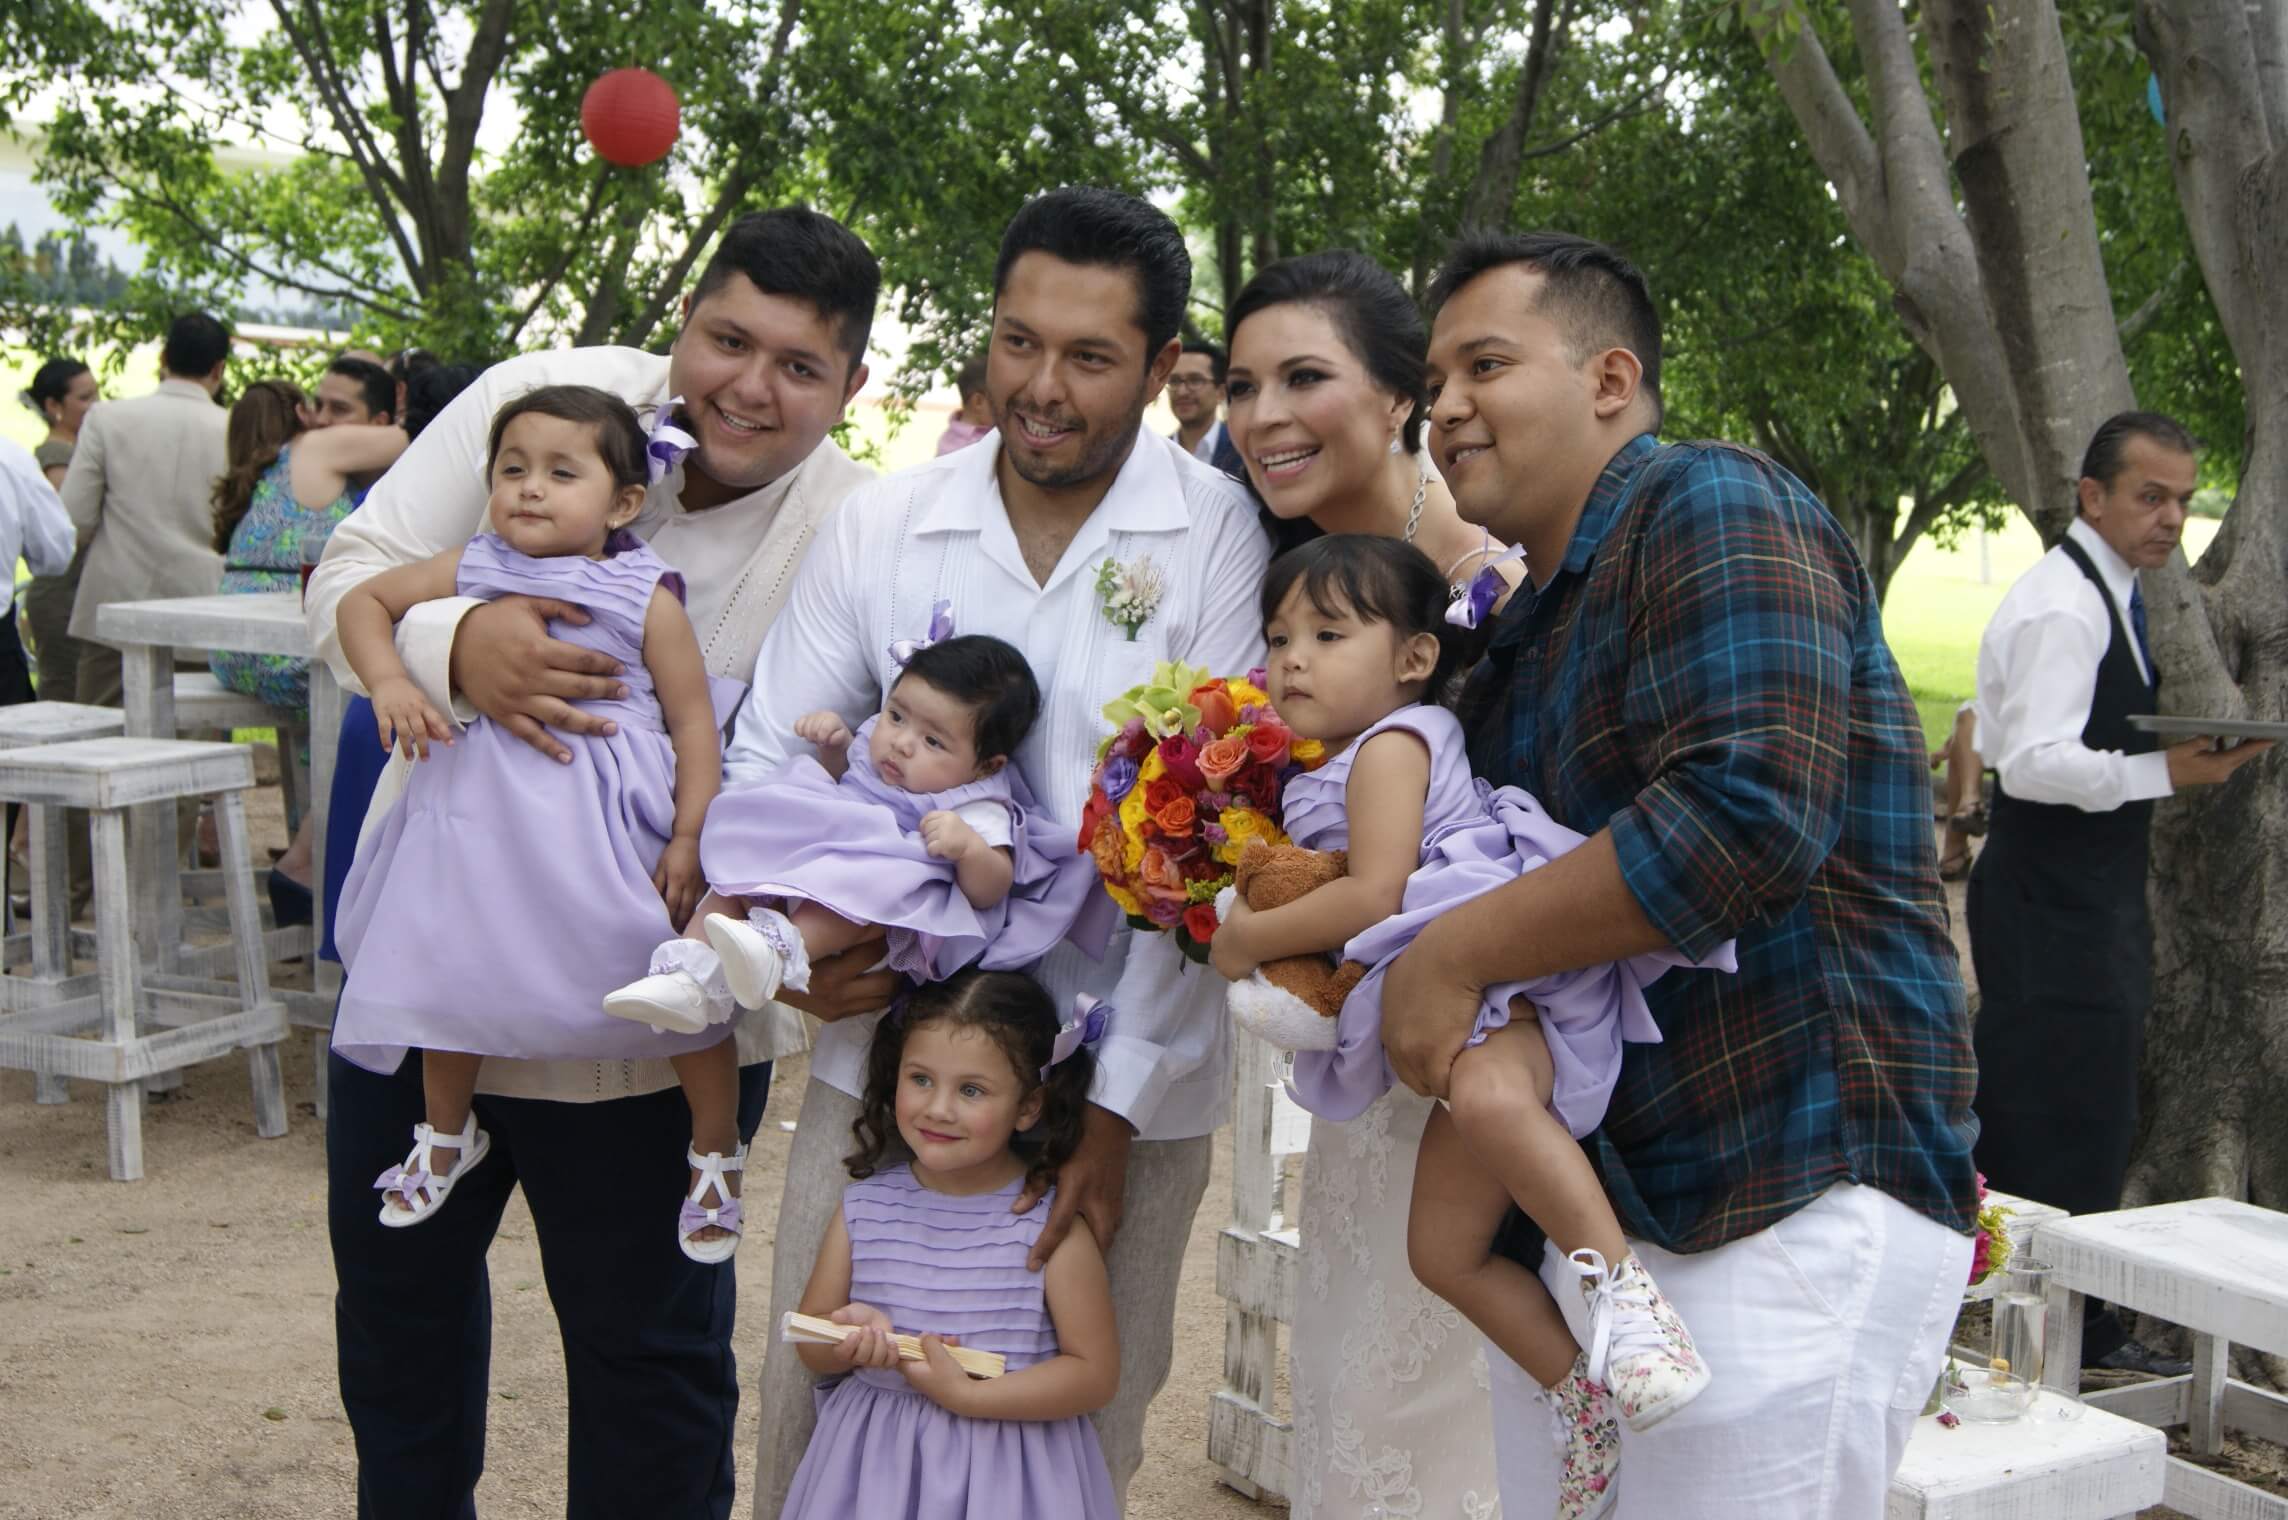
{"x": 2059, "y": 933}
{"x": 1088, "y": 291}
{"x": 770, "y": 353}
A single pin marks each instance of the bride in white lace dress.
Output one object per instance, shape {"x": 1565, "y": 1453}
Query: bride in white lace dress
{"x": 1388, "y": 1383}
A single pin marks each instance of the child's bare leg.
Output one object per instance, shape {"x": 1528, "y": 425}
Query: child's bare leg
{"x": 1458, "y": 1206}
{"x": 710, "y": 1081}
{"x": 713, "y": 902}
{"x": 1500, "y": 1100}
{"x": 448, "y": 1088}
{"x": 825, "y": 932}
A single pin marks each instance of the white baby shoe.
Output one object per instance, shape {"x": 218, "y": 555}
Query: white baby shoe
{"x": 760, "y": 955}
{"x": 671, "y": 1002}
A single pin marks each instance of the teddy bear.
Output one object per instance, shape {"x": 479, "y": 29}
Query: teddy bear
{"x": 1288, "y": 1003}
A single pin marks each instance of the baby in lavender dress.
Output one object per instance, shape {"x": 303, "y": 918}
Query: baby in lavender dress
{"x": 1355, "y": 625}
{"x": 938, "y": 1246}
{"x": 450, "y": 949}
{"x": 917, "y": 823}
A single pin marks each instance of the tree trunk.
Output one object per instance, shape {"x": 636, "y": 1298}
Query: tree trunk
{"x": 2217, "y": 1041}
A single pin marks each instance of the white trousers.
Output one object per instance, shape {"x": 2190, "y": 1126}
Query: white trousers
{"x": 1824, "y": 1333}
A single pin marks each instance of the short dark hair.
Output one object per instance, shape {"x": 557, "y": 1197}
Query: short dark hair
{"x": 1371, "y": 311}
{"x": 1219, "y": 362}
{"x": 1088, "y": 224}
{"x": 1374, "y": 578}
{"x": 376, "y": 386}
{"x": 1595, "y": 296}
{"x": 2102, "y": 460}
{"x": 195, "y": 344}
{"x": 992, "y": 678}
{"x": 1011, "y": 1009}
{"x": 52, "y": 382}
{"x": 619, "y": 437}
{"x": 970, "y": 378}
{"x": 429, "y": 391}
{"x": 409, "y": 362}
{"x": 795, "y": 251}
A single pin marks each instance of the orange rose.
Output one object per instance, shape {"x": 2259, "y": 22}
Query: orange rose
{"x": 1160, "y": 876}
{"x": 1175, "y": 820}
{"x": 1217, "y": 711}
{"x": 1220, "y": 760}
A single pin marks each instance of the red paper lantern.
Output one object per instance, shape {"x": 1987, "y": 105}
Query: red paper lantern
{"x": 631, "y": 117}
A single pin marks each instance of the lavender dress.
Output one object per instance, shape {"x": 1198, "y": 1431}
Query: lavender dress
{"x": 853, "y": 847}
{"x": 939, "y": 1264}
{"x": 505, "y": 894}
{"x": 1474, "y": 839}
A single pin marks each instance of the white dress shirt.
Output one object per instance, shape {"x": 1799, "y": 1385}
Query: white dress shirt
{"x": 940, "y": 531}
{"x": 2037, "y": 674}
{"x": 33, "y": 523}
{"x": 737, "y": 561}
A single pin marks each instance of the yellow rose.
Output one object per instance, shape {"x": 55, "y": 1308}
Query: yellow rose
{"x": 1245, "y": 695}
{"x": 1307, "y": 752}
{"x": 1125, "y": 898}
{"x": 1242, "y": 825}
{"x": 1152, "y": 769}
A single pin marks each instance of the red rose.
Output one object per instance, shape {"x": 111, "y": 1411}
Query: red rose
{"x": 1258, "y": 786}
{"x": 1217, "y": 710}
{"x": 1267, "y": 744}
{"x": 1158, "y": 793}
{"x": 1182, "y": 759}
{"x": 1098, "y": 808}
{"x": 1200, "y": 918}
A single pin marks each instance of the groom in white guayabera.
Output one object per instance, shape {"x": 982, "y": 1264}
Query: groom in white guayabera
{"x": 1012, "y": 532}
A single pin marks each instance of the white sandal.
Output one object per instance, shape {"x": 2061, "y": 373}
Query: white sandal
{"x": 696, "y": 1215}
{"x": 424, "y": 1191}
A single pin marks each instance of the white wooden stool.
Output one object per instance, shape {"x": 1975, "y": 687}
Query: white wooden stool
{"x": 198, "y": 1020}
{"x": 2219, "y": 1268}
{"x": 2097, "y": 1467}
{"x": 51, "y": 944}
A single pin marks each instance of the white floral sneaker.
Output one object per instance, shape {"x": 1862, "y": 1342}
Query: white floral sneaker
{"x": 1638, "y": 1346}
{"x": 760, "y": 955}
{"x": 1588, "y": 1442}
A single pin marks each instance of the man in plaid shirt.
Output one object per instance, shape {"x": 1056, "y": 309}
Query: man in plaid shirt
{"x": 1695, "y": 676}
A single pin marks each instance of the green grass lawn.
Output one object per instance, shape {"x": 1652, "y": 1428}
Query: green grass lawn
{"x": 1940, "y": 601}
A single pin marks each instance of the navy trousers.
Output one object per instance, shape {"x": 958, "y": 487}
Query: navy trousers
{"x": 652, "y": 1386}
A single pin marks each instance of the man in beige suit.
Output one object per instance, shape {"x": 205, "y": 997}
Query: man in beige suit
{"x": 140, "y": 493}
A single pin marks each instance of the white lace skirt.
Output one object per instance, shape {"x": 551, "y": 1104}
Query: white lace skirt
{"x": 1388, "y": 1383}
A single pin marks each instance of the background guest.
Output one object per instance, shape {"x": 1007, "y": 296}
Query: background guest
{"x": 975, "y": 419}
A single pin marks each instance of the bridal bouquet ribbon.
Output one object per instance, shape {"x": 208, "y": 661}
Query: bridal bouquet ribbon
{"x": 1193, "y": 770}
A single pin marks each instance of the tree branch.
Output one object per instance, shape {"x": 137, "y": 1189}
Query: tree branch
{"x": 382, "y": 184}
{"x": 1493, "y": 189}
{"x": 1839, "y": 140}
{"x": 570, "y": 249}
{"x": 2133, "y": 326}
{"x": 1638, "y": 106}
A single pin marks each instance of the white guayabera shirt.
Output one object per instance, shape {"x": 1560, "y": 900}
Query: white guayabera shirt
{"x": 940, "y": 532}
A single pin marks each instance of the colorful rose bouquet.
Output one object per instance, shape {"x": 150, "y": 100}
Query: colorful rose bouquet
{"x": 1192, "y": 772}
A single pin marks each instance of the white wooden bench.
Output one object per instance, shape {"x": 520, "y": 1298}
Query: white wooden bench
{"x": 2219, "y": 1268}
{"x": 2096, "y": 1467}
{"x": 98, "y": 1035}
{"x": 1257, "y": 1260}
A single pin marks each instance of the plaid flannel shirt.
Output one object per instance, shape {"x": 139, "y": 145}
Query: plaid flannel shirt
{"x": 1706, "y": 676}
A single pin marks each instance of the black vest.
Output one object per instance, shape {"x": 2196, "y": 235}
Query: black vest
{"x": 2081, "y": 854}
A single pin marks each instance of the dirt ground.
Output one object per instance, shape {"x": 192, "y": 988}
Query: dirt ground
{"x": 166, "y": 1347}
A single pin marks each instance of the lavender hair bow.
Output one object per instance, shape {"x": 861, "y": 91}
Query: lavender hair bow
{"x": 1085, "y": 1027}
{"x": 940, "y": 629}
{"x": 668, "y": 443}
{"x": 1472, "y": 602}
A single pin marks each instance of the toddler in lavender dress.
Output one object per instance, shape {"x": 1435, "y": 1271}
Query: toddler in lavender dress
{"x": 450, "y": 949}
{"x": 917, "y": 823}
{"x": 938, "y": 1246}
{"x": 1355, "y": 625}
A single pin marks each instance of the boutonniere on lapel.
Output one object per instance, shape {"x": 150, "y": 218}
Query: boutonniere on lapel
{"x": 669, "y": 441}
{"x": 1130, "y": 593}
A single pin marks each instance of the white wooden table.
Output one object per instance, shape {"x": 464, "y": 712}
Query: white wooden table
{"x": 148, "y": 635}
{"x": 2097, "y": 1467}
{"x": 2219, "y": 1268}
